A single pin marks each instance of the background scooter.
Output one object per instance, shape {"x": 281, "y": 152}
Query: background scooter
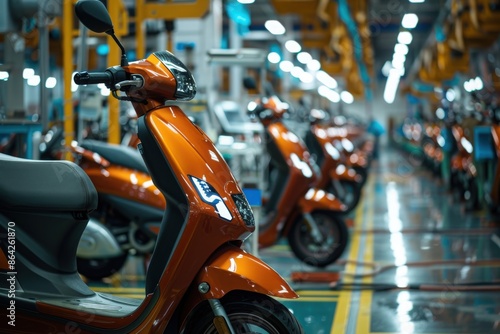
{"x": 336, "y": 174}
{"x": 130, "y": 207}
{"x": 310, "y": 218}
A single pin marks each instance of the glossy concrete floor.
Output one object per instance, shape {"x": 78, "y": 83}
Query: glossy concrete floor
{"x": 416, "y": 263}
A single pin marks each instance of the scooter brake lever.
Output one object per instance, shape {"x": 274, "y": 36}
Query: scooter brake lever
{"x": 137, "y": 81}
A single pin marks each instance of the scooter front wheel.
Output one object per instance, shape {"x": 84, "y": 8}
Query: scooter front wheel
{"x": 325, "y": 250}
{"x": 248, "y": 313}
{"x": 348, "y": 192}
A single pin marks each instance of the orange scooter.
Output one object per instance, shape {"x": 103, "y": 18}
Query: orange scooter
{"x": 431, "y": 147}
{"x": 463, "y": 170}
{"x": 309, "y": 217}
{"x": 354, "y": 147}
{"x": 199, "y": 279}
{"x": 493, "y": 190}
{"x": 337, "y": 176}
{"x": 130, "y": 207}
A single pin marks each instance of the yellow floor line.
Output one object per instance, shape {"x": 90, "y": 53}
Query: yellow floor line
{"x": 314, "y": 299}
{"x": 318, "y": 293}
{"x": 341, "y": 316}
{"x": 365, "y": 301}
{"x": 279, "y": 248}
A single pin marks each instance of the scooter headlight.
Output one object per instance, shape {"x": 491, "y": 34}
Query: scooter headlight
{"x": 186, "y": 86}
{"x": 244, "y": 209}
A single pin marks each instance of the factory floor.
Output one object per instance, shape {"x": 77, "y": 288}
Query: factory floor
{"x": 417, "y": 262}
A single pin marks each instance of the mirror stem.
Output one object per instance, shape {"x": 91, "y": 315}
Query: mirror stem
{"x": 124, "y": 61}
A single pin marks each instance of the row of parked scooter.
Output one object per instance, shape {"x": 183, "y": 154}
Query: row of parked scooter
{"x": 314, "y": 182}
{"x": 462, "y": 146}
{"x": 173, "y": 198}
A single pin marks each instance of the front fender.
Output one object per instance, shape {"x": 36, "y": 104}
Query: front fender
{"x": 345, "y": 174}
{"x": 235, "y": 269}
{"x": 317, "y": 199}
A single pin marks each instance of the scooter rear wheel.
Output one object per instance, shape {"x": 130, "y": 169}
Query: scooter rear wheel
{"x": 334, "y": 237}
{"x": 248, "y": 313}
{"x": 97, "y": 269}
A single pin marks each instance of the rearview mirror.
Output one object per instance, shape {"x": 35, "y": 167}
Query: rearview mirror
{"x": 94, "y": 15}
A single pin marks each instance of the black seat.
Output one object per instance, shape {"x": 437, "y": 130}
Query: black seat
{"x": 117, "y": 154}
{"x": 47, "y": 185}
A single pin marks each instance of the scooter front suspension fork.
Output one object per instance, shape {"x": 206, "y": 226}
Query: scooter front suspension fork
{"x": 315, "y": 232}
{"x": 221, "y": 320}
{"x": 339, "y": 189}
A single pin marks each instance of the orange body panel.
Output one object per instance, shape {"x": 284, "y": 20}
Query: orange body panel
{"x": 126, "y": 183}
{"x": 495, "y": 132}
{"x": 332, "y": 168}
{"x": 317, "y": 199}
{"x": 345, "y": 174}
{"x": 229, "y": 270}
{"x": 301, "y": 178}
{"x": 4, "y": 265}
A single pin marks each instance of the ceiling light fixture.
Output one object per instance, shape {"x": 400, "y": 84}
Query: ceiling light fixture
{"x": 401, "y": 49}
{"x": 297, "y": 71}
{"x": 286, "y": 66}
{"x": 314, "y": 65}
{"x": 391, "y": 86}
{"x": 329, "y": 94}
{"x": 409, "y": 21}
{"x": 347, "y": 97}
{"x": 304, "y": 57}
{"x": 4, "y": 75}
{"x": 28, "y": 73}
{"x": 275, "y": 27}
{"x": 34, "y": 80}
{"x": 386, "y": 68}
{"x": 273, "y": 57}
{"x": 306, "y": 77}
{"x": 326, "y": 79}
{"x": 405, "y": 37}
{"x": 292, "y": 46}
{"x": 51, "y": 82}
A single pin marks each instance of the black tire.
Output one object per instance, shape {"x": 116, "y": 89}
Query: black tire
{"x": 363, "y": 172}
{"x": 350, "y": 196}
{"x": 488, "y": 198}
{"x": 471, "y": 194}
{"x": 456, "y": 187}
{"x": 334, "y": 235}
{"x": 96, "y": 269}
{"x": 248, "y": 313}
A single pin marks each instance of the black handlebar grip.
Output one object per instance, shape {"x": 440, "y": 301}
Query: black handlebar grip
{"x": 86, "y": 78}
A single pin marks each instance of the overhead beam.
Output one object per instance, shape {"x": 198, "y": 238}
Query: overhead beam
{"x": 170, "y": 10}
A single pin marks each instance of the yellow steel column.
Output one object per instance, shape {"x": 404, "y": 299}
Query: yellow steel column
{"x": 114, "y": 57}
{"x": 69, "y": 124}
{"x": 139, "y": 29}
{"x": 170, "y": 42}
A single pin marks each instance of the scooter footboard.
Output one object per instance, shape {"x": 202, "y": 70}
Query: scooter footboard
{"x": 234, "y": 269}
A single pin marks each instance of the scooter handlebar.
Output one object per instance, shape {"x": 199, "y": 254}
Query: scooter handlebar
{"x": 86, "y": 78}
